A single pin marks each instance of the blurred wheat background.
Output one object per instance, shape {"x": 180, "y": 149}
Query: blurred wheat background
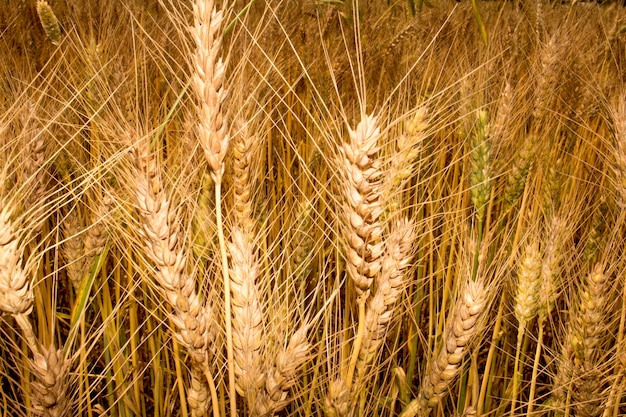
{"x": 312, "y": 208}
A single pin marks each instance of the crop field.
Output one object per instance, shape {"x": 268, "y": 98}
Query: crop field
{"x": 338, "y": 208}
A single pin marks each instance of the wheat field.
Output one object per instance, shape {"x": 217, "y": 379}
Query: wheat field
{"x": 312, "y": 208}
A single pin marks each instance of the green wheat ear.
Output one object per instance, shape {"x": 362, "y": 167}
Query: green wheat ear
{"x": 49, "y": 21}
{"x": 480, "y": 176}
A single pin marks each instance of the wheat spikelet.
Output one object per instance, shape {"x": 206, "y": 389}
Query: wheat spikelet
{"x": 389, "y": 285}
{"x": 163, "y": 246}
{"x": 207, "y": 83}
{"x": 49, "y": 21}
{"x": 50, "y": 388}
{"x": 461, "y": 328}
{"x": 362, "y": 204}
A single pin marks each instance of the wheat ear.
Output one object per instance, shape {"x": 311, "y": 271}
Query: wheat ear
{"x": 80, "y": 247}
{"x": 49, "y": 367}
{"x": 525, "y": 309}
{"x": 579, "y": 354}
{"x": 618, "y": 113}
{"x": 35, "y": 177}
{"x": 49, "y": 21}
{"x": 363, "y": 205}
{"x": 50, "y": 388}
{"x": 208, "y": 85}
{"x": 461, "y": 328}
{"x": 585, "y": 336}
{"x": 480, "y": 174}
{"x": 281, "y": 376}
{"x": 207, "y": 82}
{"x": 247, "y": 313}
{"x": 389, "y": 285}
{"x": 164, "y": 247}
{"x": 16, "y": 294}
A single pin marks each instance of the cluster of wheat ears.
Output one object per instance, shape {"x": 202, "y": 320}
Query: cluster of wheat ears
{"x": 312, "y": 208}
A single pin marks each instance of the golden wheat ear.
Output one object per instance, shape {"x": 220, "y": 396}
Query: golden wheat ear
{"x": 49, "y": 21}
